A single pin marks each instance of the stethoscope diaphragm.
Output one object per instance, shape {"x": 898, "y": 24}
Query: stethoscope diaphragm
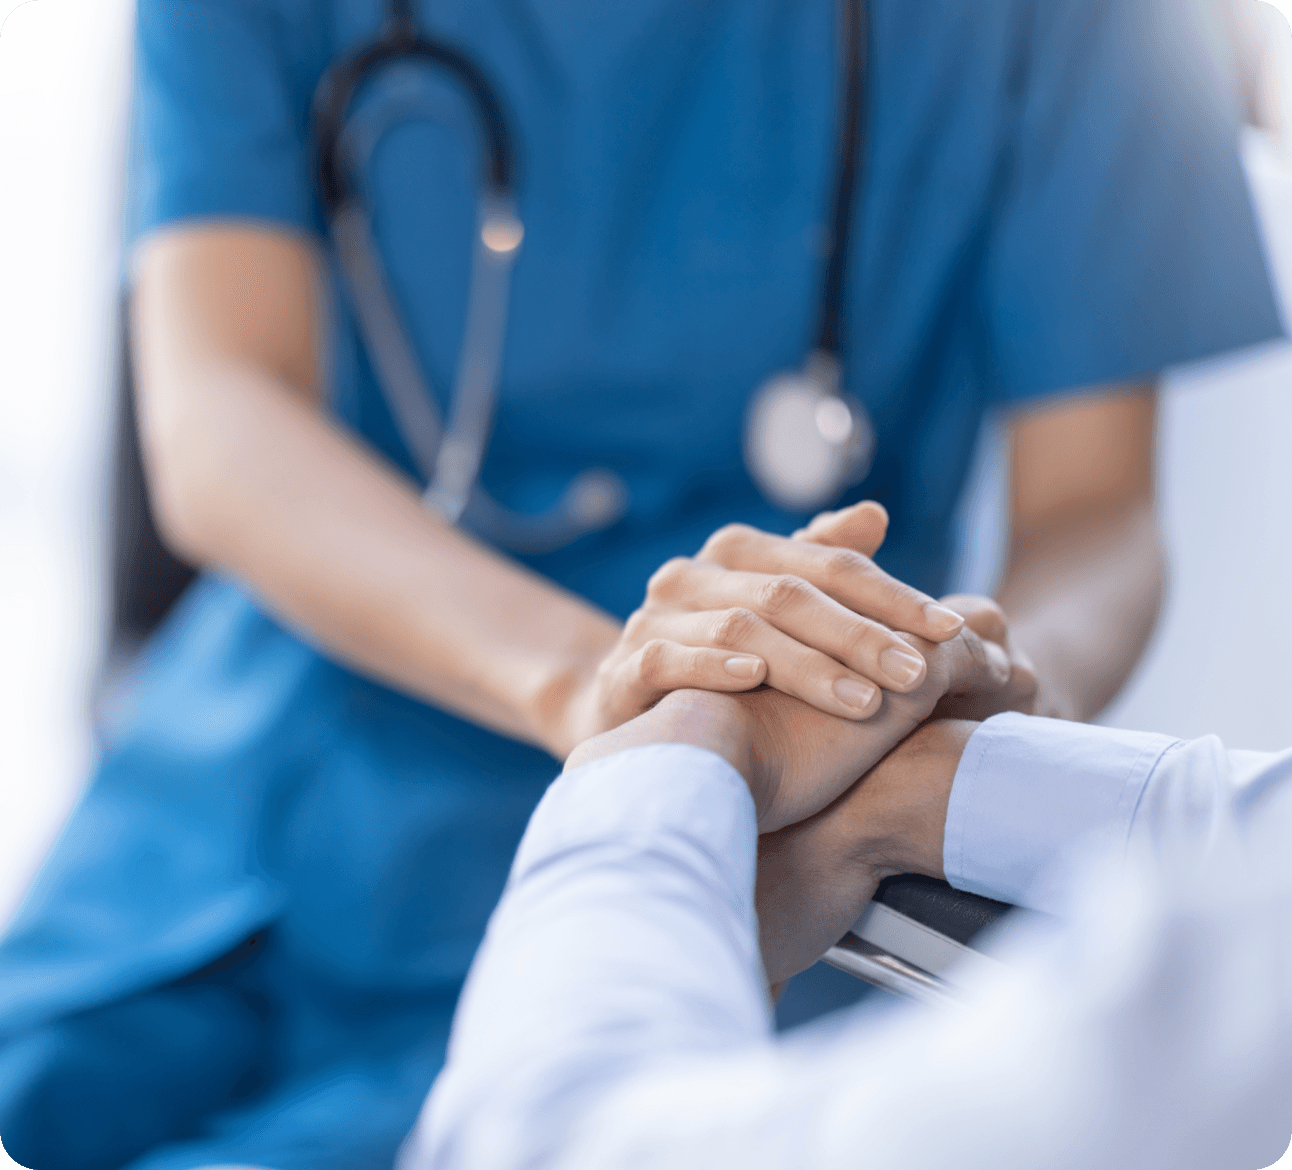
{"x": 805, "y": 441}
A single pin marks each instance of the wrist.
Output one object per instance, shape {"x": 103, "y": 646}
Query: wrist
{"x": 553, "y": 710}
{"x": 714, "y": 722}
{"x": 912, "y": 790}
{"x": 702, "y": 719}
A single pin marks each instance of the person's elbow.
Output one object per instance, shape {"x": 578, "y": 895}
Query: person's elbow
{"x": 224, "y": 324}
{"x": 188, "y": 461}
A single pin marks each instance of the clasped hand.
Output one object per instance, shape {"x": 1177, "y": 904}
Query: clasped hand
{"x": 811, "y": 616}
{"x": 838, "y": 807}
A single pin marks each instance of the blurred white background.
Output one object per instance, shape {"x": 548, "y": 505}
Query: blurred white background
{"x": 1219, "y": 663}
{"x": 63, "y": 76}
{"x": 1216, "y": 662}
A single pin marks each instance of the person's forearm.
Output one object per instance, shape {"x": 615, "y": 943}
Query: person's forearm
{"x": 614, "y": 1013}
{"x": 339, "y": 545}
{"x": 1082, "y": 601}
{"x": 626, "y": 935}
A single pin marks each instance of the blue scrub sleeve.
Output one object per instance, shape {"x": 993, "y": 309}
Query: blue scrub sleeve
{"x": 1126, "y": 240}
{"x": 221, "y": 112}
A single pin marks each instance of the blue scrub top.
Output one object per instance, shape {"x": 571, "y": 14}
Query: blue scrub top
{"x": 1051, "y": 199}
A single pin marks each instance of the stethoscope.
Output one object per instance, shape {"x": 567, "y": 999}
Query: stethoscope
{"x": 805, "y": 440}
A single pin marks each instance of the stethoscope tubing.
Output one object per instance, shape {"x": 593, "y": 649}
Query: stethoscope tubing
{"x": 450, "y": 456}
{"x": 852, "y": 121}
{"x": 401, "y": 41}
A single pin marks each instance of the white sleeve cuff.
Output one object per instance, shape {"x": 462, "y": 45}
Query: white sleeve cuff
{"x": 1029, "y": 791}
{"x": 647, "y": 792}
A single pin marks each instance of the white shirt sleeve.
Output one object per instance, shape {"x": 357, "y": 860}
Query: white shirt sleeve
{"x": 616, "y": 1014}
{"x": 627, "y": 930}
{"x": 1032, "y": 797}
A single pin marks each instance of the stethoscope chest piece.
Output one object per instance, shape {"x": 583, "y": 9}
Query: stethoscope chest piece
{"x": 805, "y": 441}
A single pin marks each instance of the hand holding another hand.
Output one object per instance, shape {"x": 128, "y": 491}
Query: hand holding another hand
{"x": 829, "y": 838}
{"x": 816, "y": 877}
{"x": 811, "y": 616}
{"x": 802, "y": 760}
{"x": 817, "y": 871}
{"x": 1019, "y": 692}
{"x": 796, "y": 760}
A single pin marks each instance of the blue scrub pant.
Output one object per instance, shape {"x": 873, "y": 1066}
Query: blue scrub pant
{"x": 192, "y": 1075}
{"x": 97, "y": 1089}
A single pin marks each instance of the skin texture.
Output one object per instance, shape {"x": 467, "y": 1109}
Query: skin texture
{"x": 1085, "y": 569}
{"x": 796, "y": 760}
{"x": 789, "y": 605}
{"x": 816, "y": 877}
{"x": 250, "y": 476}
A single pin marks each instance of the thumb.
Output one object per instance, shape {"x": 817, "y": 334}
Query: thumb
{"x": 860, "y": 527}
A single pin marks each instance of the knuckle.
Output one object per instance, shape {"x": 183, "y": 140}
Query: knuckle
{"x": 733, "y": 627}
{"x": 974, "y": 603}
{"x": 975, "y": 661}
{"x": 992, "y": 606}
{"x": 847, "y": 566}
{"x": 665, "y": 580}
{"x": 846, "y": 562}
{"x": 861, "y": 639}
{"x": 636, "y": 625}
{"x": 608, "y": 671}
{"x": 998, "y": 625}
{"x": 905, "y": 604}
{"x": 779, "y": 594}
{"x": 1023, "y": 678}
{"x": 725, "y": 540}
{"x": 653, "y": 661}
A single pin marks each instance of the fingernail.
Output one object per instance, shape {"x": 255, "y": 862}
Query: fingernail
{"x": 901, "y": 667}
{"x": 852, "y": 693}
{"x": 942, "y": 619}
{"x": 744, "y": 667}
